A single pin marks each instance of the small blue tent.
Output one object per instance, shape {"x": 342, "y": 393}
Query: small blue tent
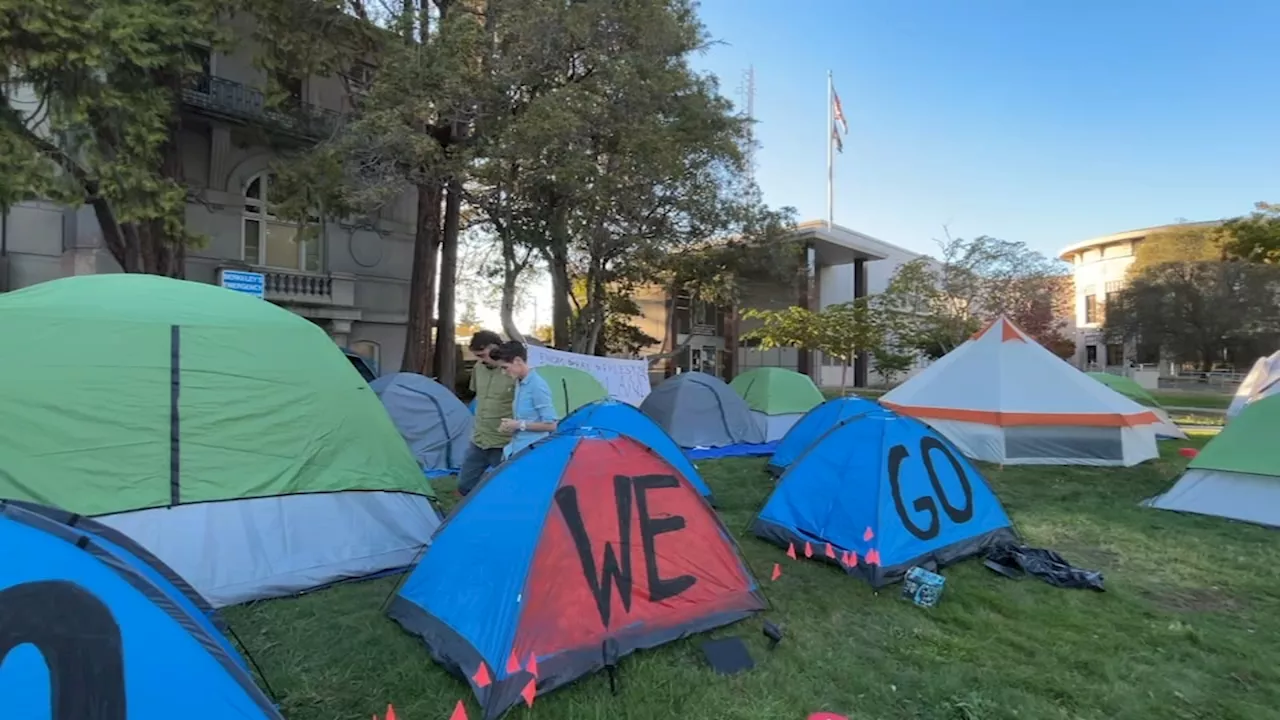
{"x": 93, "y": 626}
{"x": 816, "y": 423}
{"x": 627, "y": 420}
{"x": 880, "y": 494}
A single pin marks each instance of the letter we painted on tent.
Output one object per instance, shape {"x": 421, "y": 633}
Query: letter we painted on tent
{"x": 627, "y": 545}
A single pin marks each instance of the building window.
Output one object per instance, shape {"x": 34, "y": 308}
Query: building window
{"x": 270, "y": 242}
{"x": 1090, "y": 309}
{"x": 1091, "y": 355}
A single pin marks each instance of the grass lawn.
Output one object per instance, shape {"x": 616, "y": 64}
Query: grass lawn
{"x": 1176, "y": 398}
{"x": 1186, "y": 629}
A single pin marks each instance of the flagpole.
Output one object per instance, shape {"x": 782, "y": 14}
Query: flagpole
{"x": 831, "y": 174}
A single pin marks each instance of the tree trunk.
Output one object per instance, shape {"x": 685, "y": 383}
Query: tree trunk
{"x": 426, "y": 244}
{"x": 510, "y": 275}
{"x": 446, "y": 352}
{"x": 561, "y": 287}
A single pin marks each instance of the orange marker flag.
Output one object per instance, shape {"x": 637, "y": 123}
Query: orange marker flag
{"x": 529, "y": 692}
{"x": 808, "y": 549}
{"x": 532, "y": 666}
{"x": 459, "y": 712}
{"x": 872, "y": 557}
{"x": 831, "y": 553}
{"x": 482, "y": 678}
{"x": 391, "y": 712}
{"x": 853, "y": 559}
{"x": 866, "y": 536}
{"x": 791, "y": 550}
{"x": 513, "y": 665}
{"x": 777, "y": 572}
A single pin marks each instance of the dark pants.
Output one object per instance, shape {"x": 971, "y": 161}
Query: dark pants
{"x": 477, "y": 460}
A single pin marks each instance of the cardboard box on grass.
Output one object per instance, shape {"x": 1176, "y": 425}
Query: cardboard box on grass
{"x": 922, "y": 587}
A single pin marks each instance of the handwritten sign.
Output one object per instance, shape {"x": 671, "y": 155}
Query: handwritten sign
{"x": 626, "y": 380}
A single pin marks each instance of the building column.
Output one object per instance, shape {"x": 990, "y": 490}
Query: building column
{"x": 219, "y": 157}
{"x": 808, "y": 301}
{"x": 861, "y": 361}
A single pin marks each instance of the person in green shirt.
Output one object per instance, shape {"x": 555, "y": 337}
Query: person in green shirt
{"x": 494, "y": 394}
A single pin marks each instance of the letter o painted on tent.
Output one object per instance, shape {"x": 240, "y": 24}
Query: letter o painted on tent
{"x": 80, "y": 642}
{"x": 958, "y": 516}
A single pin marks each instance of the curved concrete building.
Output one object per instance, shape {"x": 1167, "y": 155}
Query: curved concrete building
{"x": 1098, "y": 268}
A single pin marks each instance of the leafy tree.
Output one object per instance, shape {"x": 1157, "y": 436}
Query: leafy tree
{"x": 935, "y": 305}
{"x": 89, "y": 96}
{"x": 1188, "y": 297}
{"x": 846, "y": 329}
{"x": 840, "y": 330}
{"x": 1185, "y": 243}
{"x": 1255, "y": 237}
{"x": 611, "y": 154}
{"x": 407, "y": 135}
{"x": 891, "y": 363}
{"x": 1202, "y": 311}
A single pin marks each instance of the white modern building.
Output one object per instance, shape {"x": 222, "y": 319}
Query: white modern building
{"x": 1099, "y": 266}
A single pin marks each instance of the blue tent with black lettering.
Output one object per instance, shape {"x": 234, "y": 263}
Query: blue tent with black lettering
{"x": 880, "y": 494}
{"x": 623, "y": 418}
{"x": 93, "y": 626}
{"x": 575, "y": 552}
{"x": 817, "y": 422}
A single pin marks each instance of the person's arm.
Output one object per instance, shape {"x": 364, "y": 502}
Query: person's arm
{"x": 544, "y": 410}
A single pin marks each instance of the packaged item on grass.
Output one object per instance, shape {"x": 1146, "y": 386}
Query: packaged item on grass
{"x": 922, "y": 587}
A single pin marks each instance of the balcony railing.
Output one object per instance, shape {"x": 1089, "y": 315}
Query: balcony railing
{"x": 315, "y": 287}
{"x": 237, "y": 101}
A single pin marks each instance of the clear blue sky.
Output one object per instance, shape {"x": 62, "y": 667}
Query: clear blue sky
{"x": 1047, "y": 121}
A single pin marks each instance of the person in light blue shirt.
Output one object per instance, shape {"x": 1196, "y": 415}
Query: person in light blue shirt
{"x": 533, "y": 410}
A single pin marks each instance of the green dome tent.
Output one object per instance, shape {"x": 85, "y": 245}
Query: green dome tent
{"x": 1126, "y": 386}
{"x": 228, "y": 436}
{"x": 778, "y": 398}
{"x": 570, "y": 387}
{"x": 1237, "y": 475}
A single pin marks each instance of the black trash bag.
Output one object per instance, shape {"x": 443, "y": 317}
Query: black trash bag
{"x": 1015, "y": 561}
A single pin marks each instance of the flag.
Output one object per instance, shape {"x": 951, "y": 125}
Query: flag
{"x": 837, "y": 112}
{"x": 835, "y": 138}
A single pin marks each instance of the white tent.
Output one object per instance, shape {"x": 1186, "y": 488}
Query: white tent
{"x": 1002, "y": 398}
{"x": 1262, "y": 381}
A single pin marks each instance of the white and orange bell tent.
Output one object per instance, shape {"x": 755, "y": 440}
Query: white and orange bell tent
{"x": 1001, "y": 397}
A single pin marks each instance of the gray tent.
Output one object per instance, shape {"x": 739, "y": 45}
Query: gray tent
{"x": 700, "y": 410}
{"x": 432, "y": 420}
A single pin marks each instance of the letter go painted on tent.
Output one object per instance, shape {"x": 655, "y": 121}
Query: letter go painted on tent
{"x": 930, "y": 448}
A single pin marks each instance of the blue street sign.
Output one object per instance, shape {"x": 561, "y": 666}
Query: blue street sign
{"x": 249, "y": 283}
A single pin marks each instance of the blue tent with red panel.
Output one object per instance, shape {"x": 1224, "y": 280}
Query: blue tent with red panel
{"x": 622, "y": 418}
{"x": 814, "y": 425}
{"x": 94, "y": 626}
{"x": 575, "y": 552}
{"x": 880, "y": 494}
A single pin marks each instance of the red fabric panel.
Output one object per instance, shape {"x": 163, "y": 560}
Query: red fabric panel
{"x": 697, "y": 571}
